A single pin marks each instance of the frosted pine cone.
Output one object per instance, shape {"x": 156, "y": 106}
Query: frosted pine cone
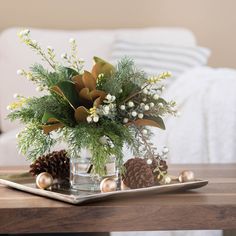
{"x": 56, "y": 163}
{"x": 137, "y": 174}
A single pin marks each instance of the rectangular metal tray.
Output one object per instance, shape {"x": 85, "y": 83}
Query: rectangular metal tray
{"x": 26, "y": 183}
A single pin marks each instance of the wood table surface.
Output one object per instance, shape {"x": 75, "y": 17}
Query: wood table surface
{"x": 210, "y": 207}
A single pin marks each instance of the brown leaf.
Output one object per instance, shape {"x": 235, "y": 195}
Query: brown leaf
{"x": 57, "y": 90}
{"x": 98, "y": 93}
{"x": 89, "y": 81}
{"x": 81, "y": 114}
{"x": 102, "y": 67}
{"x": 144, "y": 122}
{"x": 78, "y": 82}
{"x": 97, "y": 102}
{"x": 85, "y": 94}
{"x": 48, "y": 128}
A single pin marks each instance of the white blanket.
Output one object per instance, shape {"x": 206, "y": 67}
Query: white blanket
{"x": 206, "y": 130}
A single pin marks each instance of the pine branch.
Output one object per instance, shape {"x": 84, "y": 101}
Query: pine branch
{"x": 32, "y": 142}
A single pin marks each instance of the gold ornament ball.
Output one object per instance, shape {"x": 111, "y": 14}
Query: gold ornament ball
{"x": 108, "y": 185}
{"x": 186, "y": 176}
{"x": 123, "y": 186}
{"x": 44, "y": 180}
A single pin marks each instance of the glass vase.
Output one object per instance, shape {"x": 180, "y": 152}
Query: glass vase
{"x": 82, "y": 176}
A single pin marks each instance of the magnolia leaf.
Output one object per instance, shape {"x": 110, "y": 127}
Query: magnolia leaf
{"x": 97, "y": 102}
{"x": 49, "y": 128}
{"x": 50, "y": 118}
{"x": 81, "y": 114}
{"x": 67, "y": 89}
{"x": 70, "y": 72}
{"x": 89, "y": 81}
{"x": 85, "y": 94}
{"x": 149, "y": 121}
{"x": 98, "y": 93}
{"x": 78, "y": 82}
{"x": 102, "y": 67}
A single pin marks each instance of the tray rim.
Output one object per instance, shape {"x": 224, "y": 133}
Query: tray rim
{"x": 76, "y": 199}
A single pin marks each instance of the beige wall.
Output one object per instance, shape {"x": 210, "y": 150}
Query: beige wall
{"x": 212, "y": 21}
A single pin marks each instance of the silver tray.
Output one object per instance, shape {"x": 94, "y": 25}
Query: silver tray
{"x": 26, "y": 183}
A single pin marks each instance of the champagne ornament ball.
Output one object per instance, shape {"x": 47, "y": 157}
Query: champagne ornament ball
{"x": 186, "y": 176}
{"x": 44, "y": 180}
{"x": 108, "y": 185}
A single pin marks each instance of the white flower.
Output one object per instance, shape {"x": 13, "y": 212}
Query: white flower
{"x": 19, "y": 72}
{"x": 149, "y": 161}
{"x": 103, "y": 140}
{"x": 113, "y": 98}
{"x": 178, "y": 114}
{"x": 140, "y": 116}
{"x": 121, "y": 90}
{"x": 24, "y": 32}
{"x": 156, "y": 97}
{"x": 163, "y": 88}
{"x": 17, "y": 135}
{"x": 63, "y": 56}
{"x": 130, "y": 104}
{"x": 165, "y": 150}
{"x": 122, "y": 107}
{"x": 160, "y": 105}
{"x": 34, "y": 41}
{"x": 144, "y": 131}
{"x": 108, "y": 97}
{"x": 89, "y": 119}
{"x": 142, "y": 104}
{"x": 39, "y": 89}
{"x": 146, "y": 107}
{"x": 125, "y": 120}
{"x": 8, "y": 107}
{"x": 152, "y": 104}
{"x": 145, "y": 91}
{"x": 106, "y": 109}
{"x": 81, "y": 60}
{"x": 16, "y": 95}
{"x": 134, "y": 113}
{"x": 144, "y": 99}
{"x": 71, "y": 40}
{"x": 95, "y": 119}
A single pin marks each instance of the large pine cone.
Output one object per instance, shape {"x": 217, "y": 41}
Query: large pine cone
{"x": 55, "y": 163}
{"x": 137, "y": 174}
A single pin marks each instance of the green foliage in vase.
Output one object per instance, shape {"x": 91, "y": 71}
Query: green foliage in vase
{"x": 101, "y": 110}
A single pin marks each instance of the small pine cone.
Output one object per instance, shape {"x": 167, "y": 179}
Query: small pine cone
{"x": 137, "y": 174}
{"x": 159, "y": 168}
{"x": 55, "y": 163}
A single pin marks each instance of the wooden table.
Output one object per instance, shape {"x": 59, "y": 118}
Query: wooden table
{"x": 211, "y": 207}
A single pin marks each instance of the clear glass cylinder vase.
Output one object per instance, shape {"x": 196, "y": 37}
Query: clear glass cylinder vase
{"x": 82, "y": 176}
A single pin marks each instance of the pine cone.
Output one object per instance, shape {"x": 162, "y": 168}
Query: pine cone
{"x": 137, "y": 174}
{"x": 159, "y": 168}
{"x": 55, "y": 163}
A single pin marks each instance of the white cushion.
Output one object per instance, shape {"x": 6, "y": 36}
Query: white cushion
{"x": 14, "y": 55}
{"x": 155, "y": 58}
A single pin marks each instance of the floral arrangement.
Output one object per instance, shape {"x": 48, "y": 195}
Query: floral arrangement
{"x": 101, "y": 110}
